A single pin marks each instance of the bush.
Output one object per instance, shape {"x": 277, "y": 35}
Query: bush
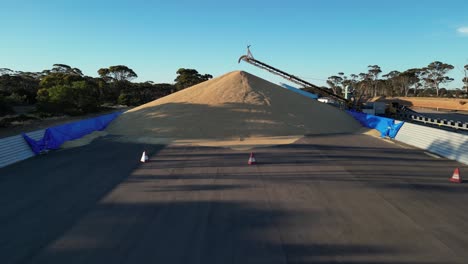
{"x": 124, "y": 99}
{"x": 129, "y": 98}
{"x": 86, "y": 96}
{"x": 16, "y": 99}
{"x": 52, "y": 100}
{"x": 77, "y": 98}
{"x": 5, "y": 107}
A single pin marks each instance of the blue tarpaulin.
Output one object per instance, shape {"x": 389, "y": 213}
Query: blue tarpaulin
{"x": 386, "y": 126}
{"x": 54, "y": 137}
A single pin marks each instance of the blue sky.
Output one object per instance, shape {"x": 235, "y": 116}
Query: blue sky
{"x": 311, "y": 39}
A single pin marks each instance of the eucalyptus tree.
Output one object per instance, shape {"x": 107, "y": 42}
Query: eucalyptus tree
{"x": 65, "y": 69}
{"x": 117, "y": 73}
{"x": 6, "y": 71}
{"x": 374, "y": 71}
{"x": 408, "y": 79}
{"x": 20, "y": 87}
{"x": 336, "y": 83}
{"x": 363, "y": 83}
{"x": 465, "y": 79}
{"x": 435, "y": 74}
{"x": 189, "y": 77}
{"x": 394, "y": 79}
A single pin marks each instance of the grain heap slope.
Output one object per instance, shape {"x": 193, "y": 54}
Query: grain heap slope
{"x": 236, "y": 106}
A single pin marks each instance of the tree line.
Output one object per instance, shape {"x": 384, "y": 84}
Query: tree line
{"x": 424, "y": 81}
{"x": 66, "y": 90}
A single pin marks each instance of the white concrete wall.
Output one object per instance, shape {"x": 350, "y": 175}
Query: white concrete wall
{"x": 444, "y": 143}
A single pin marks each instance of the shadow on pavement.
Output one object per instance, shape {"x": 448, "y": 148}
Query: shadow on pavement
{"x": 310, "y": 202}
{"x": 197, "y": 232}
{"x": 44, "y": 196}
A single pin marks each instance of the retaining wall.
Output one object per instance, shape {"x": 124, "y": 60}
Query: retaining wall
{"x": 15, "y": 148}
{"x": 444, "y": 143}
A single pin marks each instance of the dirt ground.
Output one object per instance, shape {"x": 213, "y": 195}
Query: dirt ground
{"x": 429, "y": 102}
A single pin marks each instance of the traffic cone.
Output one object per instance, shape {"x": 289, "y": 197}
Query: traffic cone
{"x": 456, "y": 176}
{"x": 252, "y": 160}
{"x": 144, "y": 157}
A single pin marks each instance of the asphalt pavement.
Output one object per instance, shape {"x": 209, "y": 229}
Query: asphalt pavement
{"x": 324, "y": 199}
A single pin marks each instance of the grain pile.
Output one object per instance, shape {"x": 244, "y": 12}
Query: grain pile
{"x": 236, "y": 108}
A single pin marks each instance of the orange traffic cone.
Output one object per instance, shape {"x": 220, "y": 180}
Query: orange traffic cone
{"x": 252, "y": 160}
{"x": 456, "y": 176}
{"x": 144, "y": 157}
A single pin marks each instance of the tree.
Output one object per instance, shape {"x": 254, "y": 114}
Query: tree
{"x": 6, "y": 71}
{"x": 19, "y": 85}
{"x": 117, "y": 73}
{"x": 401, "y": 82}
{"x": 393, "y": 78}
{"x": 465, "y": 79}
{"x": 59, "y": 78}
{"x": 60, "y": 74}
{"x": 66, "y": 90}
{"x": 420, "y": 83}
{"x": 140, "y": 93}
{"x": 63, "y": 68}
{"x": 435, "y": 74}
{"x": 335, "y": 83}
{"x": 408, "y": 79}
{"x": 351, "y": 81}
{"x": 189, "y": 77}
{"x": 363, "y": 84}
{"x": 338, "y": 83}
{"x": 5, "y": 107}
{"x": 374, "y": 71}
{"x": 116, "y": 79}
{"x": 76, "y": 98}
